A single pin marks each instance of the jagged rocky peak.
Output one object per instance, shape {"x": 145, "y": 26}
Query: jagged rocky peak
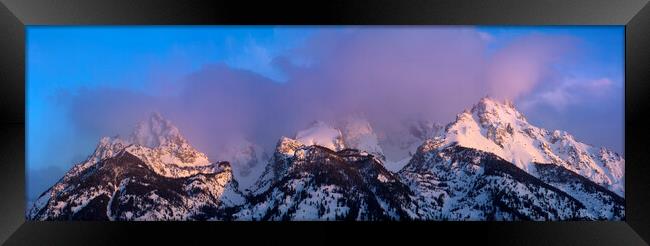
{"x": 317, "y": 183}
{"x": 491, "y": 110}
{"x": 288, "y": 146}
{"x": 153, "y": 175}
{"x": 158, "y": 143}
{"x": 353, "y": 132}
{"x": 429, "y": 145}
{"x": 499, "y": 128}
{"x": 557, "y": 136}
{"x": 156, "y": 131}
{"x": 465, "y": 116}
{"x": 278, "y": 165}
{"x": 159, "y": 135}
{"x": 224, "y": 166}
{"x": 488, "y": 101}
{"x": 454, "y": 181}
{"x": 489, "y": 164}
{"x": 124, "y": 187}
{"x": 109, "y": 146}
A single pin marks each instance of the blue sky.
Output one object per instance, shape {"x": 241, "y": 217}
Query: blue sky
{"x": 603, "y": 46}
{"x": 64, "y": 64}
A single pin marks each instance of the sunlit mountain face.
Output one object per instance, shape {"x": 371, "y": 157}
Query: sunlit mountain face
{"x": 325, "y": 124}
{"x": 488, "y": 164}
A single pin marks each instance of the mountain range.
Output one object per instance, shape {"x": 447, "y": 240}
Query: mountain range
{"x": 490, "y": 163}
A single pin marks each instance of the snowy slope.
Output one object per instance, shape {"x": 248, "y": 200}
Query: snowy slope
{"x": 159, "y": 144}
{"x": 316, "y": 183}
{"x": 500, "y": 129}
{"x": 277, "y": 166}
{"x": 489, "y": 164}
{"x": 356, "y": 133}
{"x": 123, "y": 187}
{"x": 600, "y": 202}
{"x": 153, "y": 175}
{"x": 460, "y": 183}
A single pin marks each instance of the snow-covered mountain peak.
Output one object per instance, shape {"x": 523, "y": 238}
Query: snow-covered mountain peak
{"x": 156, "y": 131}
{"x": 287, "y": 146}
{"x": 465, "y": 116}
{"x": 278, "y": 165}
{"x": 158, "y": 143}
{"x": 493, "y": 111}
{"x": 106, "y": 148}
{"x": 321, "y": 134}
{"x": 499, "y": 128}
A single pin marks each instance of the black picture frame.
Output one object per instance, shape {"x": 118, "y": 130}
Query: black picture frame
{"x": 16, "y": 14}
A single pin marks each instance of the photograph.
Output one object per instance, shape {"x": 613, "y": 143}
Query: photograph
{"x": 325, "y": 123}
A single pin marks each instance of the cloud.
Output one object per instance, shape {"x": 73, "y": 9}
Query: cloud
{"x": 256, "y": 57}
{"x": 518, "y": 68}
{"x": 570, "y": 91}
{"x": 387, "y": 73}
{"x": 397, "y": 72}
{"x": 599, "y": 86}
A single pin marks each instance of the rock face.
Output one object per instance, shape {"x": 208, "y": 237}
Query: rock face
{"x": 459, "y": 183}
{"x": 500, "y": 129}
{"x": 489, "y": 164}
{"x": 154, "y": 175}
{"x": 317, "y": 183}
{"x": 601, "y": 203}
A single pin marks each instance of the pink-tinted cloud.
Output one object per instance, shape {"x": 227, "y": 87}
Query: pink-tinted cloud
{"x": 396, "y": 72}
{"x": 387, "y": 73}
{"x": 518, "y": 68}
